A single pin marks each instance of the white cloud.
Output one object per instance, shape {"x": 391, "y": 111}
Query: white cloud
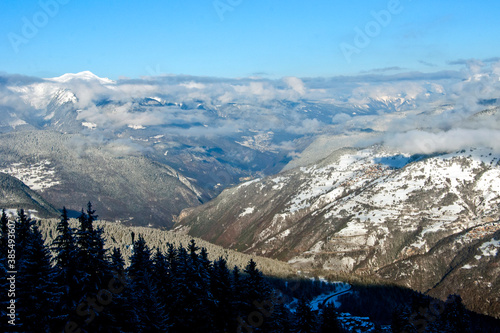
{"x": 432, "y": 106}
{"x": 296, "y": 84}
{"x": 308, "y": 126}
{"x": 193, "y": 85}
{"x": 422, "y": 142}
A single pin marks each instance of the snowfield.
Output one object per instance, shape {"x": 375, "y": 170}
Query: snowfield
{"x": 38, "y": 176}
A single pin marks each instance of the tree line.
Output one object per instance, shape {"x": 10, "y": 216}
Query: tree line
{"x": 75, "y": 284}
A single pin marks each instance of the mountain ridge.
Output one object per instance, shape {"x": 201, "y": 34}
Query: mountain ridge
{"x": 367, "y": 212}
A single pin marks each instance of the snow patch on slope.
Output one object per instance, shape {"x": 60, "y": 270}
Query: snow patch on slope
{"x": 89, "y": 125}
{"x": 13, "y": 213}
{"x": 490, "y": 248}
{"x": 379, "y": 192}
{"x": 247, "y": 211}
{"x": 248, "y": 183}
{"x": 38, "y": 177}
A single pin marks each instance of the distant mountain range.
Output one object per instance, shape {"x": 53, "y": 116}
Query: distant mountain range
{"x": 143, "y": 156}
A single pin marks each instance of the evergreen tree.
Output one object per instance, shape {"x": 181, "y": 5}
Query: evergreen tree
{"x": 171, "y": 257}
{"x": 254, "y": 282}
{"x": 4, "y": 239}
{"x": 200, "y": 265}
{"x": 454, "y": 317}
{"x": 83, "y": 241}
{"x": 279, "y": 321}
{"x": 162, "y": 278}
{"x": 305, "y": 321}
{"x": 149, "y": 308}
{"x": 23, "y": 226}
{"x": 117, "y": 262}
{"x": 206, "y": 264}
{"x": 37, "y": 289}
{"x": 94, "y": 275}
{"x": 4, "y": 228}
{"x": 238, "y": 303}
{"x": 224, "y": 317}
{"x": 422, "y": 315}
{"x": 67, "y": 267}
{"x": 401, "y": 321}
{"x": 64, "y": 244}
{"x": 153, "y": 312}
{"x": 124, "y": 317}
{"x": 92, "y": 255}
{"x": 192, "y": 248}
{"x": 66, "y": 261}
{"x": 4, "y": 298}
{"x": 255, "y": 288}
{"x": 329, "y": 320}
{"x": 189, "y": 303}
{"x": 140, "y": 262}
{"x": 199, "y": 300}
{"x": 276, "y": 316}
{"x": 237, "y": 282}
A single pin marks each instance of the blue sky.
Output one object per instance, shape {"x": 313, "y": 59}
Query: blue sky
{"x": 240, "y": 38}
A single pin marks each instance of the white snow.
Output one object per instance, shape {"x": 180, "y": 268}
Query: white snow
{"x": 12, "y": 213}
{"x": 38, "y": 176}
{"x": 63, "y": 96}
{"x": 247, "y": 211}
{"x": 136, "y": 127}
{"x": 158, "y": 99}
{"x": 84, "y": 76}
{"x": 279, "y": 182}
{"x": 248, "y": 183}
{"x": 17, "y": 122}
{"x": 490, "y": 248}
{"x": 49, "y": 116}
{"x": 89, "y": 125}
{"x": 382, "y": 192}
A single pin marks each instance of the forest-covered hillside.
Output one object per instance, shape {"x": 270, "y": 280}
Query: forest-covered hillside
{"x": 74, "y": 279}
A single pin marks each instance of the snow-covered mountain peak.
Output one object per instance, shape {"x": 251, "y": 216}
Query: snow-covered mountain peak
{"x": 85, "y": 76}
{"x": 63, "y": 96}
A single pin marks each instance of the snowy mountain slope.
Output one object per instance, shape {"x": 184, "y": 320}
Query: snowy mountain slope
{"x": 360, "y": 211}
{"x": 37, "y": 176}
{"x": 15, "y": 195}
{"x": 464, "y": 263}
{"x": 65, "y": 171}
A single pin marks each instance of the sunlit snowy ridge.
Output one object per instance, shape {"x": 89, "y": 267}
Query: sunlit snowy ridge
{"x": 370, "y": 211}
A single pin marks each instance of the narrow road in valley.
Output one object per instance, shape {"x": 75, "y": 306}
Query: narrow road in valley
{"x": 336, "y": 294}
